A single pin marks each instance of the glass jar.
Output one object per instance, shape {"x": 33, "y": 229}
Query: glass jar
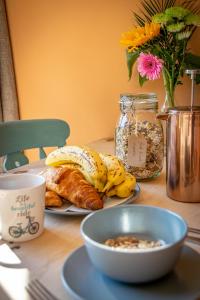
{"x": 139, "y": 140}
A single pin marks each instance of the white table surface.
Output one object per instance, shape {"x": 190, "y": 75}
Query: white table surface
{"x": 44, "y": 256}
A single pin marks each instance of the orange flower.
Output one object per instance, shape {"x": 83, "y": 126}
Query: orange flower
{"x": 140, "y": 35}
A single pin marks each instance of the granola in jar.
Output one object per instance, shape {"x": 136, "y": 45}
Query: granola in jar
{"x": 139, "y": 140}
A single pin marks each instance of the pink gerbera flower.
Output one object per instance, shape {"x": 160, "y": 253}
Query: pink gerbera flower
{"x": 149, "y": 65}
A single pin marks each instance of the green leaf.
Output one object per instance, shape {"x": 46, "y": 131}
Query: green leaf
{"x": 140, "y": 21}
{"x": 131, "y": 59}
{"x": 192, "y": 5}
{"x": 151, "y": 7}
{"x": 142, "y": 80}
{"x": 198, "y": 79}
{"x": 192, "y": 61}
{"x": 169, "y": 3}
{"x": 157, "y": 4}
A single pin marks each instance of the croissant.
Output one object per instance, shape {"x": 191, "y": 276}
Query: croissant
{"x": 71, "y": 185}
{"x": 52, "y": 199}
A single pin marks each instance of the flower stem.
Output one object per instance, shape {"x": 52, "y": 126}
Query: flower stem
{"x": 169, "y": 88}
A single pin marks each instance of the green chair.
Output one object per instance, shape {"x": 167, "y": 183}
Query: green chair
{"x": 17, "y": 136}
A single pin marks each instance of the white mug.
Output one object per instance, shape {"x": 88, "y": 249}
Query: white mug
{"x": 22, "y": 202}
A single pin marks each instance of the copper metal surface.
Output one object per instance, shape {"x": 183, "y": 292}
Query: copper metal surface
{"x": 183, "y": 154}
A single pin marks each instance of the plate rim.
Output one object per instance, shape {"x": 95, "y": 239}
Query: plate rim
{"x": 81, "y": 248}
{"x": 66, "y": 285}
{"x": 128, "y": 200}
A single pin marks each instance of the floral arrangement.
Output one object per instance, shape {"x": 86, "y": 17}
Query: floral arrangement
{"x": 159, "y": 44}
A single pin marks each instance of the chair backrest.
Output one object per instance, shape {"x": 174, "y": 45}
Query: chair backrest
{"x": 17, "y": 136}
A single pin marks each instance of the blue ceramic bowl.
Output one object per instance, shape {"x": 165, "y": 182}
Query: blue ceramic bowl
{"x": 134, "y": 266}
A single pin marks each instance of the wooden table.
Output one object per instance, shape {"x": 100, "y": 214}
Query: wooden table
{"x": 44, "y": 256}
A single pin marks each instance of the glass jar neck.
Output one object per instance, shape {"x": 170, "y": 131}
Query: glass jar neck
{"x": 131, "y": 102}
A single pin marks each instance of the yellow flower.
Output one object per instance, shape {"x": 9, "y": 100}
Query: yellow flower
{"x": 138, "y": 36}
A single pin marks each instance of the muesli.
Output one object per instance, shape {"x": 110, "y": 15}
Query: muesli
{"x": 154, "y": 152}
{"x": 131, "y": 242}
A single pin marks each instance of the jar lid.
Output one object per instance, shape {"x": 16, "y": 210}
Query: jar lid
{"x": 148, "y": 100}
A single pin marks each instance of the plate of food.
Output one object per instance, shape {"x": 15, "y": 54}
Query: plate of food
{"x": 80, "y": 180}
{"x": 68, "y": 208}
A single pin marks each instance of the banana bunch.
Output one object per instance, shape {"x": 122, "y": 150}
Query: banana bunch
{"x": 104, "y": 171}
{"x": 119, "y": 182}
{"x": 84, "y": 159}
{"x": 115, "y": 171}
{"x": 125, "y": 188}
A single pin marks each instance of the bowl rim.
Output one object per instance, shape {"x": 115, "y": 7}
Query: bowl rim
{"x": 137, "y": 251}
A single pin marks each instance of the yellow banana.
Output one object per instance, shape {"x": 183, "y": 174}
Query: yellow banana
{"x": 80, "y": 168}
{"x": 123, "y": 189}
{"x": 115, "y": 170}
{"x": 99, "y": 184}
{"x": 91, "y": 165}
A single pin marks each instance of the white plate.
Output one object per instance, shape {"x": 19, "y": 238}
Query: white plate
{"x": 72, "y": 210}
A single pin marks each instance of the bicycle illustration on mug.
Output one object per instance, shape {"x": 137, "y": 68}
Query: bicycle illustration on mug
{"x": 31, "y": 227}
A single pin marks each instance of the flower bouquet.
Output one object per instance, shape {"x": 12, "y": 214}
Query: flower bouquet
{"x": 159, "y": 44}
